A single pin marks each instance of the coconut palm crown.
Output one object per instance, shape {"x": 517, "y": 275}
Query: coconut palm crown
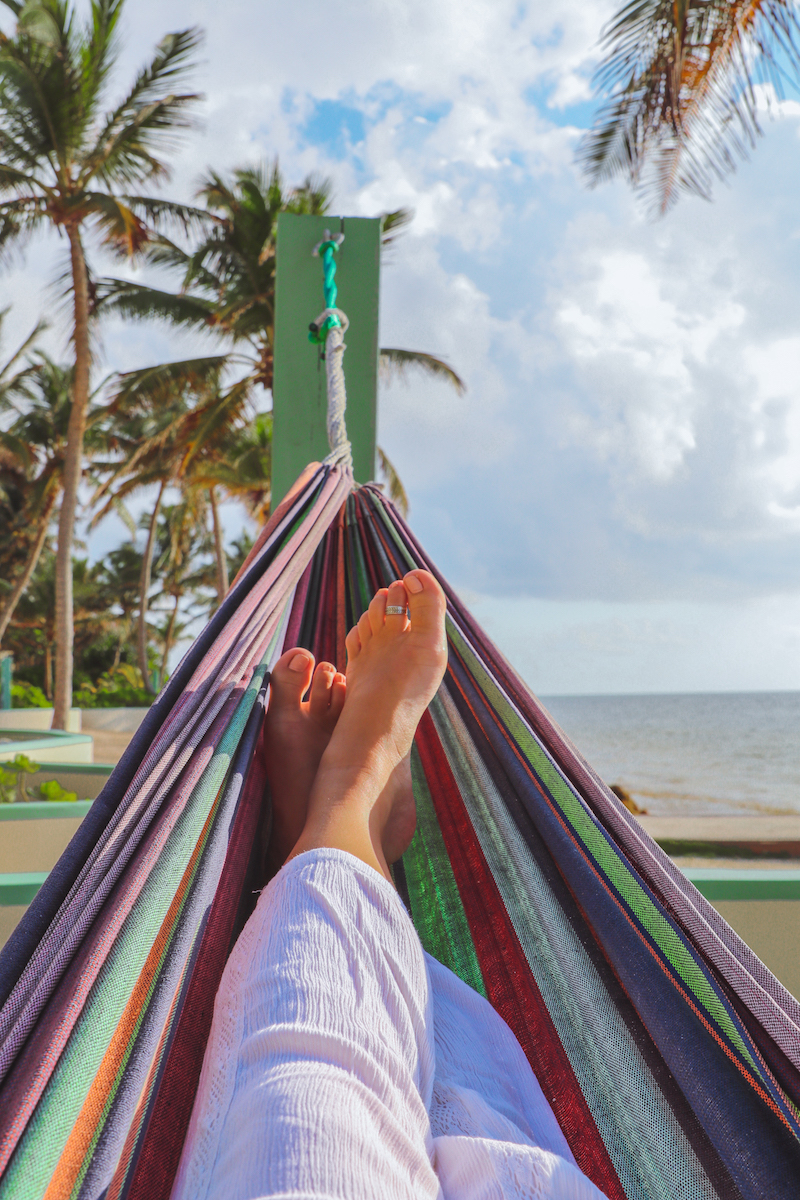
{"x": 227, "y": 288}
{"x": 680, "y": 79}
{"x": 69, "y": 162}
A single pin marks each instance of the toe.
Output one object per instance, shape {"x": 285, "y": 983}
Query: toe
{"x": 426, "y": 602}
{"x": 320, "y": 699}
{"x": 291, "y": 676}
{"x": 364, "y": 628}
{"x": 338, "y": 693}
{"x": 376, "y": 610}
{"x": 352, "y": 643}
{"x": 396, "y": 598}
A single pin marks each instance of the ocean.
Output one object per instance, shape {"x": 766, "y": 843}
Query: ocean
{"x": 716, "y": 754}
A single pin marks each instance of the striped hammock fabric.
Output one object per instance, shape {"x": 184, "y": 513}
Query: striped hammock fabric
{"x": 669, "y": 1053}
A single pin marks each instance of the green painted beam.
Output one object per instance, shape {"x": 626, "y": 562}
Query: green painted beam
{"x": 44, "y": 810}
{"x": 21, "y": 887}
{"x": 718, "y": 883}
{"x": 6, "y": 672}
{"x": 298, "y": 395}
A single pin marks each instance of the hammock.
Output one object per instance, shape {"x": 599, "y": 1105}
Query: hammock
{"x": 668, "y": 1052}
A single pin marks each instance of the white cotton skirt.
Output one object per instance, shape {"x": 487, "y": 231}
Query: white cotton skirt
{"x": 344, "y": 1062}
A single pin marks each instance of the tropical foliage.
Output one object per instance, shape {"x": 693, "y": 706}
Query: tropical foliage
{"x": 184, "y": 436}
{"x": 70, "y": 162}
{"x": 681, "y": 85}
{"x": 226, "y": 287}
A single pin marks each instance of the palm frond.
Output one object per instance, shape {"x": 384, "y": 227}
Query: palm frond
{"x": 124, "y": 515}
{"x": 395, "y": 364}
{"x": 134, "y": 300}
{"x": 121, "y": 228}
{"x": 150, "y": 386}
{"x": 163, "y": 214}
{"x": 394, "y": 484}
{"x": 393, "y": 224}
{"x": 148, "y": 116}
{"x": 25, "y": 344}
{"x": 680, "y": 81}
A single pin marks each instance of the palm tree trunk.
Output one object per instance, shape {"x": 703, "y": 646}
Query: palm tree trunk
{"x": 7, "y": 612}
{"x": 144, "y": 588}
{"x": 219, "y": 549}
{"x": 168, "y": 640}
{"x": 48, "y": 667}
{"x": 73, "y": 466}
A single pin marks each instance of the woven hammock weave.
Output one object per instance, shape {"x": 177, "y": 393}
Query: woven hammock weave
{"x": 670, "y": 1055}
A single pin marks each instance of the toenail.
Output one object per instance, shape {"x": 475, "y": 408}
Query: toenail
{"x": 298, "y": 663}
{"x": 412, "y": 584}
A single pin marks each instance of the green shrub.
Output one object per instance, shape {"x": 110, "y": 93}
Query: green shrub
{"x": 51, "y": 789}
{"x": 28, "y": 695}
{"x": 13, "y": 779}
{"x": 14, "y": 783}
{"x": 121, "y": 687}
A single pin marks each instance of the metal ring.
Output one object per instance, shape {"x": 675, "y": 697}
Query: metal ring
{"x": 395, "y": 610}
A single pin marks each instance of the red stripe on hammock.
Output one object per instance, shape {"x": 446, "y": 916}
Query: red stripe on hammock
{"x": 510, "y": 985}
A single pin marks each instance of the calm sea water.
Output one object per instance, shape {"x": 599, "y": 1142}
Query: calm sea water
{"x": 700, "y": 754}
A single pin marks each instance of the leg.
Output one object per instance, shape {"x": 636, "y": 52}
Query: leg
{"x": 295, "y": 735}
{"x": 395, "y": 664}
{"x": 319, "y": 1069}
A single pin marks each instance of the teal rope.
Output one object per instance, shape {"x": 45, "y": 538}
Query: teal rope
{"x": 327, "y": 252}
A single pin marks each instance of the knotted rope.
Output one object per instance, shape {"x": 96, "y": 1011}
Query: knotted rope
{"x": 328, "y": 330}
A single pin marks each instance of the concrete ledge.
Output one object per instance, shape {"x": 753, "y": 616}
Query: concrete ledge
{"x": 113, "y": 720}
{"x": 37, "y": 718}
{"x": 767, "y": 828}
{"x": 35, "y": 840}
{"x": 87, "y": 779}
{"x": 10, "y": 917}
{"x": 55, "y": 746}
{"x": 766, "y": 836}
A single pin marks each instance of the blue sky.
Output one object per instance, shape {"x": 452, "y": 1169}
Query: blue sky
{"x": 619, "y": 490}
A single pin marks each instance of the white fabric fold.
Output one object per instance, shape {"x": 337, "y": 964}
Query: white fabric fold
{"x": 344, "y": 1062}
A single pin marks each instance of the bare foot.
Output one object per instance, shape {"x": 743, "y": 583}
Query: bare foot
{"x": 296, "y": 734}
{"x": 395, "y": 664}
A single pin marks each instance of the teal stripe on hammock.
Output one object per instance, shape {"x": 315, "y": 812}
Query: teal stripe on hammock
{"x": 37, "y": 1154}
{"x": 154, "y": 983}
{"x": 436, "y": 907}
{"x": 611, "y": 865}
{"x": 391, "y": 529}
{"x": 647, "y": 1145}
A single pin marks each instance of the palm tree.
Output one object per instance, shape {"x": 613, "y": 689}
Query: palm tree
{"x": 67, "y": 162}
{"x": 680, "y": 83}
{"x": 37, "y": 440}
{"x": 227, "y": 280}
{"x": 142, "y": 431}
{"x": 184, "y": 549}
{"x": 120, "y": 579}
{"x": 36, "y": 614}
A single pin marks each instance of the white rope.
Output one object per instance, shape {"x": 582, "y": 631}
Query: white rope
{"x": 341, "y": 451}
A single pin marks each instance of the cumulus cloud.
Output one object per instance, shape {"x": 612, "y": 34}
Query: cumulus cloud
{"x": 632, "y": 424}
{"x": 638, "y": 338}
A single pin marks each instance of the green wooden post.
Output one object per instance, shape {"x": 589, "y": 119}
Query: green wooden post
{"x": 6, "y": 669}
{"x": 299, "y": 397}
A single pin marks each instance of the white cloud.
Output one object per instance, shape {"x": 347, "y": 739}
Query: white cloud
{"x": 639, "y": 347}
{"x": 631, "y": 426}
